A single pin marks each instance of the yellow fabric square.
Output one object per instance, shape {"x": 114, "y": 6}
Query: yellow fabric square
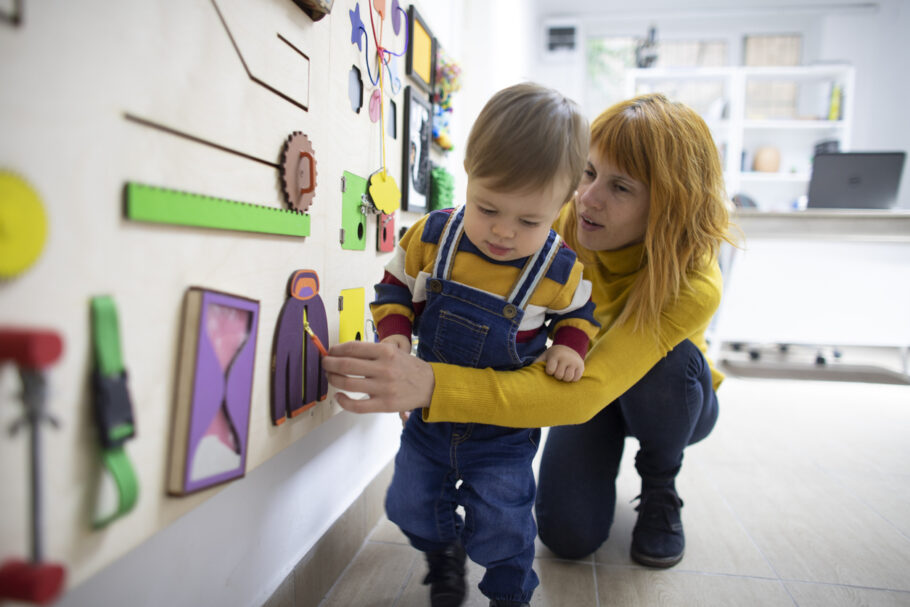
{"x": 352, "y": 317}
{"x": 422, "y": 53}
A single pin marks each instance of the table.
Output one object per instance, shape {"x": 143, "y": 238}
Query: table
{"x": 817, "y": 277}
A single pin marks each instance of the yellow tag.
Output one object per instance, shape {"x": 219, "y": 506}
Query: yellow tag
{"x": 351, "y": 318}
{"x": 23, "y": 225}
{"x": 385, "y": 193}
{"x": 316, "y": 341}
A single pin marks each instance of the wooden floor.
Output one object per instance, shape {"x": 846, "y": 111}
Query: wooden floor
{"x": 800, "y": 496}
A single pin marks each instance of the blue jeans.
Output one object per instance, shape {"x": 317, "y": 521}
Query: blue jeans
{"x": 493, "y": 465}
{"x": 671, "y": 407}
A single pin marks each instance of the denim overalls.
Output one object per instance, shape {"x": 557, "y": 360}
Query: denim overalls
{"x": 468, "y": 327}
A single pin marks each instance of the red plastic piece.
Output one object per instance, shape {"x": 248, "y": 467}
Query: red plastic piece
{"x": 38, "y": 583}
{"x": 32, "y": 349}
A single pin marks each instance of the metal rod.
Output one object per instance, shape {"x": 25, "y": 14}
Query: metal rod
{"x": 34, "y": 396}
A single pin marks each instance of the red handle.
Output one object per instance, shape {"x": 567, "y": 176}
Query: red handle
{"x": 30, "y": 348}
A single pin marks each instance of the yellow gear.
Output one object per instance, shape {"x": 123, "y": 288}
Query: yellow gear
{"x": 23, "y": 225}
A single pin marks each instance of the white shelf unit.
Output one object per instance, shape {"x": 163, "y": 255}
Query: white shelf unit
{"x": 728, "y": 98}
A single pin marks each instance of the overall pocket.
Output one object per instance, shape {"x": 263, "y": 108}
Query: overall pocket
{"x": 459, "y": 340}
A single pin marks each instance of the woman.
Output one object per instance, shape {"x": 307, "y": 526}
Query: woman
{"x": 647, "y": 219}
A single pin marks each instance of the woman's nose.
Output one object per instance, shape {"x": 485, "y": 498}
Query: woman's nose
{"x": 589, "y": 199}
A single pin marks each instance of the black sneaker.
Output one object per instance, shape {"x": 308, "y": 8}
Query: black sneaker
{"x": 657, "y": 539}
{"x": 446, "y": 576}
{"x": 497, "y": 603}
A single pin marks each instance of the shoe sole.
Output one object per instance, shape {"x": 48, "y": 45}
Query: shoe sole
{"x": 448, "y": 599}
{"x": 656, "y": 562}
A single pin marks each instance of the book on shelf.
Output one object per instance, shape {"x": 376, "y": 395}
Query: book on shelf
{"x": 836, "y": 103}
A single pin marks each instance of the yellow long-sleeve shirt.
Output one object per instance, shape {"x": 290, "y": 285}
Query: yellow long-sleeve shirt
{"x": 619, "y": 357}
{"x": 561, "y": 300}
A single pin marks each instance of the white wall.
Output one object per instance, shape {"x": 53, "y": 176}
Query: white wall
{"x": 492, "y": 41}
{"x": 236, "y": 548}
{"x": 871, "y": 36}
{"x": 878, "y": 46}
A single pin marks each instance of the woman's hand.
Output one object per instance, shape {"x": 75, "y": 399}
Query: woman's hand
{"x": 394, "y": 380}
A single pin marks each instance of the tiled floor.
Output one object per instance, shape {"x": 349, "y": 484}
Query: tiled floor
{"x": 801, "y": 496}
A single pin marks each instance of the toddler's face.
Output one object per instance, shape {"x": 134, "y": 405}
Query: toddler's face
{"x": 510, "y": 225}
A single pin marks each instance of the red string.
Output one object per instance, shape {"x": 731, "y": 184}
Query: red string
{"x": 378, "y": 39}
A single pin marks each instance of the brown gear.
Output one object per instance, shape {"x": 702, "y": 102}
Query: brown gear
{"x": 297, "y": 148}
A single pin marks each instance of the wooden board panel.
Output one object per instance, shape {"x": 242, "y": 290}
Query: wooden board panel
{"x": 70, "y": 73}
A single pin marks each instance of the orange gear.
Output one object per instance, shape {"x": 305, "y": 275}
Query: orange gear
{"x": 298, "y": 171}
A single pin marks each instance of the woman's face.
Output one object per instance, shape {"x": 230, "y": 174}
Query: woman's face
{"x": 611, "y": 206}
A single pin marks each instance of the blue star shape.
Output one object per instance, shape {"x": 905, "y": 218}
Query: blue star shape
{"x": 356, "y": 26}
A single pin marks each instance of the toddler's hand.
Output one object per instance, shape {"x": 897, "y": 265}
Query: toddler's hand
{"x": 563, "y": 363}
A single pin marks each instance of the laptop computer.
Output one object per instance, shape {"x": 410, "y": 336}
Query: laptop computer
{"x": 855, "y": 180}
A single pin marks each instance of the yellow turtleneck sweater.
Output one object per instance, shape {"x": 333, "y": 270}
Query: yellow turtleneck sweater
{"x": 619, "y": 357}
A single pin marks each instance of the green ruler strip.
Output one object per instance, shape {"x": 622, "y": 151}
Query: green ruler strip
{"x": 160, "y": 205}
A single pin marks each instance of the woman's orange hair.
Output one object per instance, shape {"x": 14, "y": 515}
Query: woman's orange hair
{"x": 668, "y": 147}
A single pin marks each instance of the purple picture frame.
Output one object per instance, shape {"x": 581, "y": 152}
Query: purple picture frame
{"x": 212, "y": 386}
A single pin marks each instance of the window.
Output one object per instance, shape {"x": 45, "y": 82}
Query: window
{"x": 772, "y": 50}
{"x": 607, "y": 62}
{"x": 772, "y": 99}
{"x": 608, "y": 58}
{"x": 691, "y": 53}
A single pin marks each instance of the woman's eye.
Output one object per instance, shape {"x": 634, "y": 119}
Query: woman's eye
{"x": 589, "y": 174}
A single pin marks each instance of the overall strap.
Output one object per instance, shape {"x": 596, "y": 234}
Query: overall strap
{"x": 448, "y": 245}
{"x": 535, "y": 269}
